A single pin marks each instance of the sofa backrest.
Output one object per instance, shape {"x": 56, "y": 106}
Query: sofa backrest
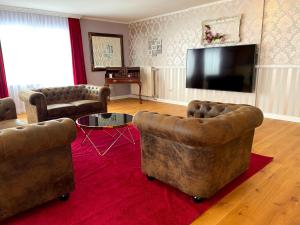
{"x": 206, "y": 109}
{"x": 63, "y": 94}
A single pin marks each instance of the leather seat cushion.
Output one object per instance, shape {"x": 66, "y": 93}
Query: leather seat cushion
{"x": 88, "y": 106}
{"x": 11, "y": 123}
{"x": 61, "y": 110}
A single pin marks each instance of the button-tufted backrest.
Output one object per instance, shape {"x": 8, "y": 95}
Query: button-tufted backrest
{"x": 7, "y": 109}
{"x": 205, "y": 109}
{"x": 64, "y": 94}
{"x": 92, "y": 92}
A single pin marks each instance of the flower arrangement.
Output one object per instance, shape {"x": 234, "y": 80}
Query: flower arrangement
{"x": 210, "y": 38}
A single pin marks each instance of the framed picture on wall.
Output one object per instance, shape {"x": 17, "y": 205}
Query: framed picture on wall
{"x": 221, "y": 31}
{"x": 106, "y": 50}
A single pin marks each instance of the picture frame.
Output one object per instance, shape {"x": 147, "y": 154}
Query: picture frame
{"x": 106, "y": 50}
{"x": 155, "y": 46}
{"x": 221, "y": 31}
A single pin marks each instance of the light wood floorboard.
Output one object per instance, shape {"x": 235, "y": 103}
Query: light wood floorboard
{"x": 272, "y": 195}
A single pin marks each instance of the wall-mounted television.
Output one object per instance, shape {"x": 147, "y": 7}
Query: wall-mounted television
{"x": 229, "y": 68}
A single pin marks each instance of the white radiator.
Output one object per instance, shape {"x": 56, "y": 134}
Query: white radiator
{"x": 147, "y": 76}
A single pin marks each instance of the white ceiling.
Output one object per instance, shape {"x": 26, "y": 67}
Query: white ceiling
{"x": 115, "y": 10}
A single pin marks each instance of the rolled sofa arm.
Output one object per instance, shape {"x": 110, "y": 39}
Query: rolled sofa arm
{"x": 35, "y": 104}
{"x": 29, "y": 139}
{"x": 7, "y": 109}
{"x": 199, "y": 132}
{"x": 100, "y": 93}
{"x": 32, "y": 97}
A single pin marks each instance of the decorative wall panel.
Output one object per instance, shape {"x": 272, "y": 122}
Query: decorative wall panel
{"x": 170, "y": 85}
{"x": 183, "y": 30}
{"x": 278, "y": 90}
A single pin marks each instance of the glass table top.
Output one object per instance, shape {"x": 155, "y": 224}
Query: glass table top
{"x": 103, "y": 120}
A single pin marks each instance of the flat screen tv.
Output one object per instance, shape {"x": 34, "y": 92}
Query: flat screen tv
{"x": 222, "y": 68}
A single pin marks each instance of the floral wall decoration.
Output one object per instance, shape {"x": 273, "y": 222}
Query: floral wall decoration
{"x": 210, "y": 37}
{"x": 221, "y": 31}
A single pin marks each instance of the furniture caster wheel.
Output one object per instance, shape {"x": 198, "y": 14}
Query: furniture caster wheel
{"x": 64, "y": 197}
{"x": 150, "y": 178}
{"x": 197, "y": 199}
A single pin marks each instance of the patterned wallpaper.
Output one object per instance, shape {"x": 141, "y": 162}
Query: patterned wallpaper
{"x": 281, "y": 33}
{"x": 278, "y": 86}
{"x": 182, "y": 30}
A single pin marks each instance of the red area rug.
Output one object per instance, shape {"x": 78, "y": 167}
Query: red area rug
{"x": 111, "y": 190}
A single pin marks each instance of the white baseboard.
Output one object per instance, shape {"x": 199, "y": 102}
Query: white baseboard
{"x": 160, "y": 100}
{"x": 266, "y": 115}
{"x": 172, "y": 102}
{"x": 120, "y": 97}
{"x": 282, "y": 117}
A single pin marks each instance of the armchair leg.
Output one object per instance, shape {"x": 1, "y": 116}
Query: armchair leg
{"x": 64, "y": 197}
{"x": 197, "y": 199}
{"x": 150, "y": 178}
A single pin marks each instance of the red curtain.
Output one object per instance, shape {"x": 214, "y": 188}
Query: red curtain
{"x": 77, "y": 52}
{"x": 3, "y": 84}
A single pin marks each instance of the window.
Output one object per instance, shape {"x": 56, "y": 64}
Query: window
{"x": 36, "y": 51}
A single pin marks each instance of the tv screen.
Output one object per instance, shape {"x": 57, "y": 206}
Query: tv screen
{"x": 222, "y": 68}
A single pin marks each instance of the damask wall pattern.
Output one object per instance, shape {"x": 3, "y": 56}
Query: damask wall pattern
{"x": 182, "y": 30}
{"x": 281, "y": 33}
{"x": 278, "y": 73}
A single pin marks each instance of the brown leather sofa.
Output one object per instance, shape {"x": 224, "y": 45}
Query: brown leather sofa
{"x": 202, "y": 153}
{"x": 35, "y": 161}
{"x": 73, "y": 102}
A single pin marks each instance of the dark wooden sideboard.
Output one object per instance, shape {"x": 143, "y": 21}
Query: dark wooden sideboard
{"x": 124, "y": 75}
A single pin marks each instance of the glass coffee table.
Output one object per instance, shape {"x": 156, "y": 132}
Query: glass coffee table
{"x": 104, "y": 121}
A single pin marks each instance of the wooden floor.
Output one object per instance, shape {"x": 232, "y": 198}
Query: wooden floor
{"x": 271, "y": 196}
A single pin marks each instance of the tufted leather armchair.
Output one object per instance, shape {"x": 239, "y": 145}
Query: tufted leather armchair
{"x": 202, "y": 153}
{"x": 8, "y": 115}
{"x": 35, "y": 164}
{"x": 72, "y": 101}
{"x": 35, "y": 160}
